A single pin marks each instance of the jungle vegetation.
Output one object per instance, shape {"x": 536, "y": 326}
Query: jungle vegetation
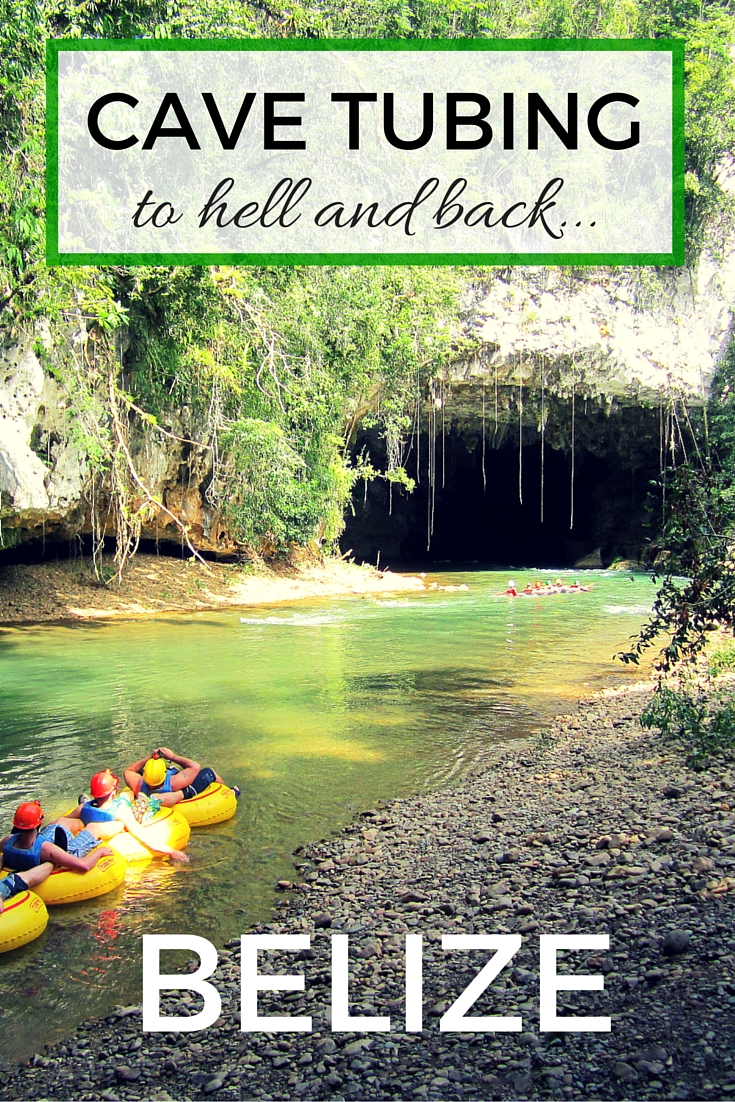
{"x": 276, "y": 366}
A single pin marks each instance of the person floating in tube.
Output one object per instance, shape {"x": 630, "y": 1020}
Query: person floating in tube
{"x": 153, "y": 777}
{"x": 106, "y": 814}
{"x": 30, "y": 845}
{"x": 14, "y": 883}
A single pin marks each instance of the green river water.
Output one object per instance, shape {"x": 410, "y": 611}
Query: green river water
{"x": 317, "y": 709}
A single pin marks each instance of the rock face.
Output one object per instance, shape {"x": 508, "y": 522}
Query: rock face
{"x": 46, "y": 488}
{"x": 543, "y": 441}
{"x": 35, "y": 491}
{"x": 629, "y": 335}
{"x": 617, "y": 340}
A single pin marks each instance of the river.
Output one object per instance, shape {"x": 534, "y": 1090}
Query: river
{"x": 317, "y": 709}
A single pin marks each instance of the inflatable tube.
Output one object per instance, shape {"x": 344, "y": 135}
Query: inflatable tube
{"x": 167, "y": 827}
{"x": 65, "y": 886}
{"x": 214, "y": 805}
{"x": 23, "y": 919}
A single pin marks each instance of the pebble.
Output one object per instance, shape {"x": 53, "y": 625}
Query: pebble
{"x": 675, "y": 942}
{"x": 642, "y": 850}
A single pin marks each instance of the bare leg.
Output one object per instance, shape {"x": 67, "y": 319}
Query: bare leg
{"x": 32, "y": 878}
{"x": 36, "y": 876}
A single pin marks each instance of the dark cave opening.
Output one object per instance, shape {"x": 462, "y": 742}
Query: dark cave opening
{"x": 484, "y": 521}
{"x": 81, "y": 547}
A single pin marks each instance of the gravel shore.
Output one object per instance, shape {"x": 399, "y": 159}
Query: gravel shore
{"x": 597, "y": 827}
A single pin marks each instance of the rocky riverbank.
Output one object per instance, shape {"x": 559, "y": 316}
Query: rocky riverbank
{"x": 153, "y": 584}
{"x": 597, "y": 827}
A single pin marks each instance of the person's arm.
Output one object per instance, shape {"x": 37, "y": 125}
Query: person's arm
{"x": 189, "y": 768}
{"x": 104, "y": 831}
{"x": 64, "y": 860}
{"x": 133, "y": 775}
{"x": 125, "y": 815}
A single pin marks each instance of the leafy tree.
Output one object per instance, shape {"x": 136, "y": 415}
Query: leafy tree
{"x": 277, "y": 366}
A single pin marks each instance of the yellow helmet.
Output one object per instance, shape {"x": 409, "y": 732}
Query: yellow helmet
{"x": 154, "y": 772}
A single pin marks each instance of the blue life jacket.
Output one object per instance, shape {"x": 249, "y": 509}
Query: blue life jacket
{"x": 21, "y": 860}
{"x": 89, "y": 813}
{"x": 165, "y": 787}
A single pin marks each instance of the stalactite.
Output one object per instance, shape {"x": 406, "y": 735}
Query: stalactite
{"x": 520, "y": 434}
{"x": 543, "y": 428}
{"x": 571, "y": 482}
{"x": 484, "y": 478}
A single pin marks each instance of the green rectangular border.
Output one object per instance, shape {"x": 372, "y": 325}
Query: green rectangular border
{"x": 674, "y": 46}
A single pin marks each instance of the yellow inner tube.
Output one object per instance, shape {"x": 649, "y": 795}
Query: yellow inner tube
{"x": 214, "y": 805}
{"x": 65, "y": 886}
{"x": 167, "y": 827}
{"x": 23, "y": 919}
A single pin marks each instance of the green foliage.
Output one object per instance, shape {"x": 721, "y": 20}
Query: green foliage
{"x": 722, "y": 661}
{"x": 710, "y": 121}
{"x": 696, "y": 547}
{"x": 9, "y": 537}
{"x": 274, "y": 368}
{"x": 697, "y": 590}
{"x": 306, "y": 351}
{"x": 704, "y": 719}
{"x": 271, "y": 502}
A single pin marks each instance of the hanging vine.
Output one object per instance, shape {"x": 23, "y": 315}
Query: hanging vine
{"x": 661, "y": 451}
{"x": 571, "y": 477}
{"x": 484, "y": 478}
{"x": 496, "y": 402}
{"x": 520, "y": 433}
{"x": 543, "y": 428}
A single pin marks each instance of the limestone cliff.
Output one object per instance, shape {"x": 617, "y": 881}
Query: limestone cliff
{"x": 632, "y": 336}
{"x": 612, "y": 337}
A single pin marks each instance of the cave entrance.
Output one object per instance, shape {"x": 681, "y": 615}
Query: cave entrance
{"x": 483, "y": 521}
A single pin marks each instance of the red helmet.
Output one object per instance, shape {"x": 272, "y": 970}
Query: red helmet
{"x": 102, "y": 784}
{"x": 28, "y": 816}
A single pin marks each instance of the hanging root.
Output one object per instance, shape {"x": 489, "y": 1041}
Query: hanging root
{"x": 129, "y": 521}
{"x": 520, "y": 434}
{"x": 484, "y": 477}
{"x": 571, "y": 483}
{"x": 543, "y": 429}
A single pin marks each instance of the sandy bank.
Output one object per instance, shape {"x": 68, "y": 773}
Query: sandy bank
{"x": 154, "y": 584}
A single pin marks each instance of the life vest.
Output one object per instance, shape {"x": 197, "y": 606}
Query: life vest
{"x": 165, "y": 787}
{"x": 90, "y": 813}
{"x": 21, "y": 860}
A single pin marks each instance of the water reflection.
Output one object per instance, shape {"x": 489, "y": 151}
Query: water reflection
{"x": 316, "y": 710}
